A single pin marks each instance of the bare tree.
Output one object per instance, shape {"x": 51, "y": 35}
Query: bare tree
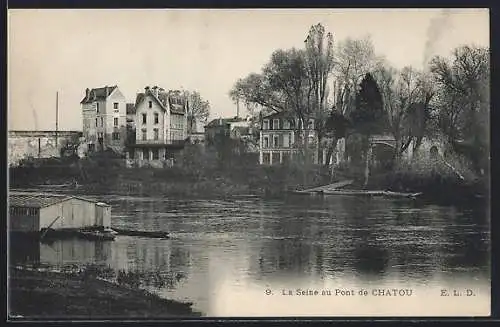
{"x": 354, "y": 58}
{"x": 198, "y": 109}
{"x": 319, "y": 61}
{"x": 463, "y": 100}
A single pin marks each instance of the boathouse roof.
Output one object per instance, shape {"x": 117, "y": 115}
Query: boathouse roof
{"x": 38, "y": 200}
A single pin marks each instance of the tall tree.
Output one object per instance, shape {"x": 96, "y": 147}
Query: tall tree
{"x": 353, "y": 59}
{"x": 463, "y": 100}
{"x": 319, "y": 63}
{"x": 368, "y": 117}
{"x": 283, "y": 85}
{"x": 406, "y": 96}
{"x": 255, "y": 89}
{"x": 198, "y": 110}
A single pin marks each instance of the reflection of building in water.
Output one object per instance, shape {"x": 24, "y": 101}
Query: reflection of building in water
{"x": 60, "y": 252}
{"x": 75, "y": 251}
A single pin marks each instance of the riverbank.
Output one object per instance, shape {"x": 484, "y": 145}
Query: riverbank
{"x": 437, "y": 184}
{"x": 45, "y": 295}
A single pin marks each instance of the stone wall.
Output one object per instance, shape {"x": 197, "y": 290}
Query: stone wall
{"x": 36, "y": 144}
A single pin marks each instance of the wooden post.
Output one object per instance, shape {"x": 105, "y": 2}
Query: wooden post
{"x": 57, "y": 118}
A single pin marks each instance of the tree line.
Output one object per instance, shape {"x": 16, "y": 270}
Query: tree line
{"x": 347, "y": 88}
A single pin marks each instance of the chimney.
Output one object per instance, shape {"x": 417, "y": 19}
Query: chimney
{"x": 146, "y": 89}
{"x": 87, "y": 93}
{"x": 106, "y": 88}
{"x": 155, "y": 90}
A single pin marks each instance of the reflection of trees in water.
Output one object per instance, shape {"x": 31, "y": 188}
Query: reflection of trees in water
{"x": 469, "y": 236}
{"x": 156, "y": 263}
{"x": 415, "y": 244}
{"x": 371, "y": 255}
{"x": 300, "y": 237}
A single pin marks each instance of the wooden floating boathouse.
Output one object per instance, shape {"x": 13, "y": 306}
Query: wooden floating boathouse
{"x": 35, "y": 212}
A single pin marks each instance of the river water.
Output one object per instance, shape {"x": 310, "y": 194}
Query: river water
{"x": 256, "y": 257}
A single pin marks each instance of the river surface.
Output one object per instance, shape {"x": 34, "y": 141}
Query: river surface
{"x": 256, "y": 257}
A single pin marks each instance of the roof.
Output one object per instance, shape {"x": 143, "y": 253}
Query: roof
{"x": 100, "y": 93}
{"x": 284, "y": 114}
{"x": 38, "y": 200}
{"x": 164, "y": 99}
{"x": 221, "y": 121}
{"x": 130, "y": 108}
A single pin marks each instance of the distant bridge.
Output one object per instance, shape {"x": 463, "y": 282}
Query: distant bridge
{"x": 387, "y": 140}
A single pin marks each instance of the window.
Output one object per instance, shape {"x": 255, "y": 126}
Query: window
{"x": 144, "y": 118}
{"x": 286, "y": 140}
{"x": 102, "y": 122}
{"x": 150, "y": 104}
{"x": 156, "y": 118}
{"x": 276, "y": 124}
{"x": 145, "y": 154}
{"x": 266, "y": 158}
{"x": 115, "y": 136}
{"x": 97, "y": 107}
{"x": 290, "y": 137}
{"x": 155, "y": 131}
{"x": 144, "y": 134}
{"x": 115, "y": 122}
{"x": 96, "y": 122}
{"x": 156, "y": 154}
{"x": 275, "y": 157}
{"x": 266, "y": 124}
{"x": 286, "y": 124}
{"x": 266, "y": 142}
{"x": 276, "y": 140}
{"x": 115, "y": 105}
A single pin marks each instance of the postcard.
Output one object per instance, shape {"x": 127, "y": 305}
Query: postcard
{"x": 248, "y": 163}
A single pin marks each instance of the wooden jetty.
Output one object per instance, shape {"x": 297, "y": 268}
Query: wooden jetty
{"x": 328, "y": 187}
{"x": 372, "y": 193}
{"x": 336, "y": 189}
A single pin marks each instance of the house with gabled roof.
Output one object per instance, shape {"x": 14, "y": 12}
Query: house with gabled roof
{"x": 104, "y": 118}
{"x": 161, "y": 127}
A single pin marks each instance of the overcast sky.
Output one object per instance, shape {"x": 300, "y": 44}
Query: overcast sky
{"x": 205, "y": 50}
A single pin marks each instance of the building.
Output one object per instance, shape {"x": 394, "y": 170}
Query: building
{"x": 224, "y": 127}
{"x": 31, "y": 212}
{"x": 277, "y": 143}
{"x": 161, "y": 127}
{"x": 104, "y": 118}
{"x": 38, "y": 144}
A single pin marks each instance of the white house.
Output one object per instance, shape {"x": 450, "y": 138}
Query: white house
{"x": 104, "y": 118}
{"x": 161, "y": 126}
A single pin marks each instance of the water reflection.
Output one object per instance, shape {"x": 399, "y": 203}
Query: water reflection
{"x": 239, "y": 246}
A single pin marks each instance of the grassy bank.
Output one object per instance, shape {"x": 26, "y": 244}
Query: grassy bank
{"x": 202, "y": 174}
{"x": 181, "y": 181}
{"x": 45, "y": 295}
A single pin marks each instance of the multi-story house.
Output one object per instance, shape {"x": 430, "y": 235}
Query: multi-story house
{"x": 277, "y": 142}
{"x": 161, "y": 126}
{"x": 104, "y": 118}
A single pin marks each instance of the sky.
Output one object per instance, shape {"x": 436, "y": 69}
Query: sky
{"x": 67, "y": 51}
